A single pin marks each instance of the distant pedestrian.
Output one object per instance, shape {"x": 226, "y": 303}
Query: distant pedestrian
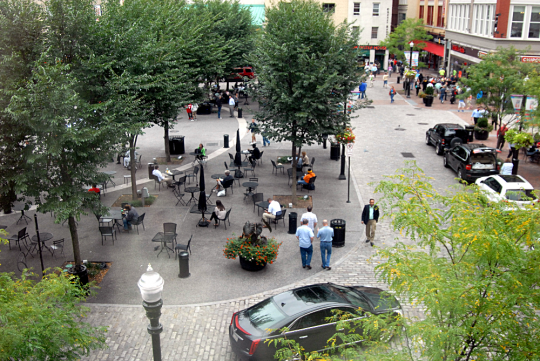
{"x": 477, "y": 114}
{"x": 442, "y": 95}
{"x": 305, "y": 235}
{"x": 326, "y": 235}
{"x": 385, "y": 80}
{"x": 417, "y": 85}
{"x": 189, "y": 112}
{"x": 370, "y": 217}
{"x": 232, "y": 103}
{"x": 392, "y": 93}
{"x": 265, "y": 140}
{"x": 362, "y": 88}
{"x": 500, "y": 136}
{"x": 194, "y": 109}
{"x": 371, "y": 80}
{"x": 253, "y": 128}
{"x": 469, "y": 102}
{"x": 311, "y": 217}
{"x": 219, "y": 104}
{"x": 374, "y": 70}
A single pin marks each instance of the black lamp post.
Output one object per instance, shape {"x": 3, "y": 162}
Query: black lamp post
{"x": 325, "y": 138}
{"x": 151, "y": 286}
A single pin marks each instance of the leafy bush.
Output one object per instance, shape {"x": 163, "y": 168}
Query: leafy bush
{"x": 148, "y": 201}
{"x": 519, "y": 139}
{"x": 260, "y": 252}
{"x": 429, "y": 90}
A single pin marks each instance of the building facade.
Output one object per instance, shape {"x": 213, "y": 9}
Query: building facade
{"x": 434, "y": 14}
{"x": 477, "y": 27}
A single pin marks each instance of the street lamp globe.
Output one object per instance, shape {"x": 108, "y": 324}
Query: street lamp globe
{"x": 411, "y": 44}
{"x": 151, "y": 285}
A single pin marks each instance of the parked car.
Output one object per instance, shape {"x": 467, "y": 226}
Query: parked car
{"x": 446, "y": 135}
{"x": 512, "y": 189}
{"x": 472, "y": 161}
{"x": 303, "y": 310}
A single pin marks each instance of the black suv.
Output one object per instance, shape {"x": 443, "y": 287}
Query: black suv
{"x": 446, "y": 135}
{"x": 472, "y": 161}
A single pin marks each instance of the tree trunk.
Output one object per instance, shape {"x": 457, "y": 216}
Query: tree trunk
{"x": 293, "y": 181}
{"x": 166, "y": 138}
{"x": 75, "y": 242}
{"x": 7, "y": 199}
{"x": 132, "y": 143}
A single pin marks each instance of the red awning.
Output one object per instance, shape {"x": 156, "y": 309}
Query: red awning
{"x": 432, "y": 48}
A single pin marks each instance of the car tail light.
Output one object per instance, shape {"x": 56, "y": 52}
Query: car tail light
{"x": 468, "y": 167}
{"x": 238, "y": 326}
{"x": 442, "y": 142}
{"x": 253, "y": 347}
{"x": 498, "y": 167}
{"x": 232, "y": 318}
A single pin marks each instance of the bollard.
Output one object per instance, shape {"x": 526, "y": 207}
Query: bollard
{"x": 183, "y": 261}
{"x": 225, "y": 140}
{"x": 239, "y": 112}
{"x": 293, "y": 216}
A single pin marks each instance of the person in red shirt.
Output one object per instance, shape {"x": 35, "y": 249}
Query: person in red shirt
{"x": 500, "y": 136}
{"x": 95, "y": 189}
{"x": 189, "y": 112}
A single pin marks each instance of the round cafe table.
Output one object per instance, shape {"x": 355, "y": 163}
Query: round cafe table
{"x": 192, "y": 190}
{"x": 43, "y": 237}
{"x": 250, "y": 186}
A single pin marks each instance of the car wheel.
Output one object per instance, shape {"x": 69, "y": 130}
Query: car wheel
{"x": 427, "y": 140}
{"x": 445, "y": 162}
{"x": 438, "y": 149}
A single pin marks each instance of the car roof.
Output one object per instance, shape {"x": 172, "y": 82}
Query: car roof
{"x": 514, "y": 181}
{"x": 308, "y": 297}
{"x": 451, "y": 125}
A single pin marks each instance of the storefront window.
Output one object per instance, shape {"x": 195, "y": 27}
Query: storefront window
{"x": 517, "y": 22}
{"x": 534, "y": 27}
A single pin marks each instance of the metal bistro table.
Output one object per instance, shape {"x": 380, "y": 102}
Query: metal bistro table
{"x": 192, "y": 190}
{"x": 250, "y": 186}
{"x": 110, "y": 173}
{"x": 116, "y": 216}
{"x": 198, "y": 158}
{"x": 263, "y": 204}
{"x": 163, "y": 239}
{"x": 195, "y": 210}
{"x": 173, "y": 173}
{"x": 244, "y": 165}
{"x": 218, "y": 176}
{"x": 43, "y": 237}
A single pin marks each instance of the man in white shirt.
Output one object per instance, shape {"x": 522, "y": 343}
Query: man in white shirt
{"x": 127, "y": 158}
{"x": 311, "y": 218}
{"x": 231, "y": 106}
{"x": 160, "y": 176}
{"x": 274, "y": 209}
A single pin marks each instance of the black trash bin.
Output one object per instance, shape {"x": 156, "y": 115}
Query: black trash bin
{"x": 239, "y": 112}
{"x": 183, "y": 263}
{"x": 339, "y": 232}
{"x": 225, "y": 140}
{"x": 334, "y": 151}
{"x": 176, "y": 144}
{"x": 470, "y": 133}
{"x": 204, "y": 108}
{"x": 293, "y": 216}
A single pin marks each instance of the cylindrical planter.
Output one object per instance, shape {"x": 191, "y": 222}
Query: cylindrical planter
{"x": 428, "y": 100}
{"x": 481, "y": 135}
{"x": 250, "y": 265}
{"x": 81, "y": 274}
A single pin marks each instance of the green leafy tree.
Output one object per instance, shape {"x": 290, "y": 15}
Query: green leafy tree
{"x": 21, "y": 37}
{"x": 497, "y": 76}
{"x": 45, "y": 320}
{"x": 408, "y": 30}
{"x": 305, "y": 71}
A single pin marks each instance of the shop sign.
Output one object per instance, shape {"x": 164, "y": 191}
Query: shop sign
{"x": 475, "y": 53}
{"x": 371, "y": 47}
{"x": 530, "y": 59}
{"x": 458, "y": 49}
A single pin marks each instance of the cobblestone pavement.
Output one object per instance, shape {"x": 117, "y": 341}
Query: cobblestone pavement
{"x": 200, "y": 331}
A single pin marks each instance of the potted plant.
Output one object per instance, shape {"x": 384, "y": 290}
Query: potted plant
{"x": 428, "y": 99}
{"x": 482, "y": 129}
{"x": 255, "y": 251}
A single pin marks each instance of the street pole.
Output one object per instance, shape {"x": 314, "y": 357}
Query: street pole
{"x": 349, "y": 181}
{"x": 39, "y": 244}
{"x": 153, "y": 311}
{"x": 151, "y": 286}
{"x": 342, "y": 172}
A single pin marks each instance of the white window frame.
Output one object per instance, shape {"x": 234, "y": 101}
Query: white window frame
{"x": 531, "y": 22}
{"x": 378, "y": 9}
{"x": 355, "y": 6}
{"x": 377, "y": 34}
{"x": 524, "y": 28}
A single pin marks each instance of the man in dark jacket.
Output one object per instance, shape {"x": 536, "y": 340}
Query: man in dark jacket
{"x": 219, "y": 103}
{"x": 131, "y": 216}
{"x": 255, "y": 154}
{"x": 370, "y": 217}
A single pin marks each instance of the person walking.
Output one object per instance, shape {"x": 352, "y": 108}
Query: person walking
{"x": 232, "y": 103}
{"x": 500, "y": 136}
{"x": 305, "y": 235}
{"x": 253, "y": 129}
{"x": 392, "y": 93}
{"x": 461, "y": 103}
{"x": 385, "y": 80}
{"x": 265, "y": 140}
{"x": 326, "y": 235}
{"x": 311, "y": 217}
{"x": 442, "y": 95}
{"x": 362, "y": 88}
{"x": 477, "y": 114}
{"x": 194, "y": 109}
{"x": 371, "y": 80}
{"x": 219, "y": 104}
{"x": 370, "y": 217}
{"x": 189, "y": 112}
{"x": 374, "y": 69}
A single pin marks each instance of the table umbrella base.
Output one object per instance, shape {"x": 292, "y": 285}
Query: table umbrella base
{"x": 203, "y": 222}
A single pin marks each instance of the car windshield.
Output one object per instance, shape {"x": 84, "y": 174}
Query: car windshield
{"x": 381, "y": 300}
{"x": 520, "y": 195}
{"x": 265, "y": 314}
{"x": 353, "y": 297}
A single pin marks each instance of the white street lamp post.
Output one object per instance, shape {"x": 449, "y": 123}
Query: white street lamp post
{"x": 151, "y": 286}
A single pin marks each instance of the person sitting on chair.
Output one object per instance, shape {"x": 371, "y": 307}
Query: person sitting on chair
{"x": 161, "y": 178}
{"x": 127, "y": 158}
{"x": 274, "y": 209}
{"x": 228, "y": 178}
{"x": 95, "y": 189}
{"x": 130, "y": 217}
{"x": 218, "y": 213}
{"x": 305, "y": 160}
{"x": 255, "y": 154}
{"x": 310, "y": 174}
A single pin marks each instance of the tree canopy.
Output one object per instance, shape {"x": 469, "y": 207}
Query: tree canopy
{"x": 305, "y": 71}
{"x": 397, "y": 42}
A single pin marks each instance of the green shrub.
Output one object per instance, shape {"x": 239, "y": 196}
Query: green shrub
{"x": 482, "y": 123}
{"x": 429, "y": 90}
{"x": 148, "y": 201}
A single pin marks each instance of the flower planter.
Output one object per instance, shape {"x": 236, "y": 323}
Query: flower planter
{"x": 481, "y": 134}
{"x": 428, "y": 100}
{"x": 250, "y": 266}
